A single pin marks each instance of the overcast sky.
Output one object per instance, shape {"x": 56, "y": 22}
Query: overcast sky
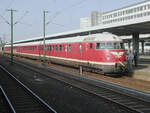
{"x": 64, "y": 15}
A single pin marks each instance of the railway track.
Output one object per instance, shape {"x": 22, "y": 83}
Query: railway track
{"x": 21, "y": 98}
{"x": 5, "y": 105}
{"x": 127, "y": 102}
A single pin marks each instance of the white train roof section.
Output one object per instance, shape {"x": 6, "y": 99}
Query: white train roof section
{"x": 101, "y": 37}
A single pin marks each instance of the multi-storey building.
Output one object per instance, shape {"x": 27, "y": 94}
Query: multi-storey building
{"x": 125, "y": 14}
{"x": 128, "y": 13}
{"x": 85, "y": 23}
{"x": 96, "y": 18}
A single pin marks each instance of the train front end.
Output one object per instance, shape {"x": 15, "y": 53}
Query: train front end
{"x": 115, "y": 54}
{"x": 111, "y": 54}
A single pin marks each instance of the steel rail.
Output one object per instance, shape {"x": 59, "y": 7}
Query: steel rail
{"x": 76, "y": 86}
{"x": 7, "y": 99}
{"x": 41, "y": 100}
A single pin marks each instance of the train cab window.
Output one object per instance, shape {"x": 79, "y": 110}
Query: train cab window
{"x": 147, "y": 44}
{"x": 69, "y": 47}
{"x": 91, "y": 45}
{"x": 109, "y": 45}
{"x": 56, "y": 48}
{"x": 100, "y": 45}
{"x": 122, "y": 45}
{"x": 116, "y": 45}
{"x": 60, "y": 47}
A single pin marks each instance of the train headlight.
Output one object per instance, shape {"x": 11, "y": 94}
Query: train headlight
{"x": 108, "y": 57}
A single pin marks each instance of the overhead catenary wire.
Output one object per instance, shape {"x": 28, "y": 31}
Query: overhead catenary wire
{"x": 4, "y": 19}
{"x": 26, "y": 24}
{"x": 21, "y": 18}
{"x": 9, "y": 5}
{"x": 63, "y": 10}
{"x": 58, "y": 24}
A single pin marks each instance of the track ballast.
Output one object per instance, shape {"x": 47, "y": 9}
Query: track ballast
{"x": 125, "y": 101}
{"x": 22, "y": 99}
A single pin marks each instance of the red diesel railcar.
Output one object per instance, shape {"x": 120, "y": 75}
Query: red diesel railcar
{"x": 103, "y": 51}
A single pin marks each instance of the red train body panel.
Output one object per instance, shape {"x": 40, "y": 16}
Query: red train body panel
{"x": 100, "y": 51}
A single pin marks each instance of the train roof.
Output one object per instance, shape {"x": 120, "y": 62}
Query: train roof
{"x": 88, "y": 38}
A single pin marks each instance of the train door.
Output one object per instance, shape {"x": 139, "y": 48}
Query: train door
{"x": 50, "y": 49}
{"x": 40, "y": 50}
{"x": 66, "y": 50}
{"x": 90, "y": 51}
{"x": 86, "y": 51}
{"x": 46, "y": 50}
{"x": 80, "y": 51}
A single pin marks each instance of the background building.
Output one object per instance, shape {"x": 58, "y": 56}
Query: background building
{"x": 85, "y": 23}
{"x": 127, "y": 14}
{"x": 96, "y": 18}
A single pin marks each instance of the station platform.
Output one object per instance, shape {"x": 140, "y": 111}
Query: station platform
{"x": 142, "y": 71}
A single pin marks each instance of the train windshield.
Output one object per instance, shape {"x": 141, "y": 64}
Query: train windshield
{"x": 110, "y": 45}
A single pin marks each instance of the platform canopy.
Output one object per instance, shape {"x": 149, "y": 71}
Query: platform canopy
{"x": 138, "y": 26}
{"x": 133, "y": 19}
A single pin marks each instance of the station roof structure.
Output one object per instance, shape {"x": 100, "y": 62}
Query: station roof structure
{"x": 123, "y": 21}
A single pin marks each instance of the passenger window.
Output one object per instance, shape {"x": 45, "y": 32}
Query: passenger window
{"x": 97, "y": 45}
{"x": 53, "y": 47}
{"x": 60, "y": 47}
{"x": 50, "y": 48}
{"x": 69, "y": 47}
{"x": 91, "y": 45}
{"x": 56, "y": 48}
